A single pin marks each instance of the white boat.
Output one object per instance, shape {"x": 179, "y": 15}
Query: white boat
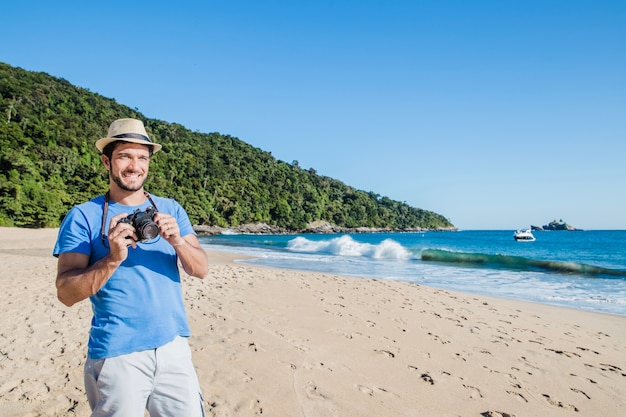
{"x": 524, "y": 235}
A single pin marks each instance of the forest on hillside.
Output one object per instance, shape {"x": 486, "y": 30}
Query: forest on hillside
{"x": 48, "y": 163}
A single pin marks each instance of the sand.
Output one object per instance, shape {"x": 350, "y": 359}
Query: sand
{"x": 288, "y": 343}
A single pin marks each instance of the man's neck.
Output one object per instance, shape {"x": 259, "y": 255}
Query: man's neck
{"x": 127, "y": 198}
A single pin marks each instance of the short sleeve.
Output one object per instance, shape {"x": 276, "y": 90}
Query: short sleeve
{"x": 74, "y": 234}
{"x": 183, "y": 221}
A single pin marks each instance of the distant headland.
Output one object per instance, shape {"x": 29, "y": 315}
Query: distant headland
{"x": 554, "y": 225}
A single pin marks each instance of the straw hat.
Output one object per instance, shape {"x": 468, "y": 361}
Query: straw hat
{"x": 127, "y": 130}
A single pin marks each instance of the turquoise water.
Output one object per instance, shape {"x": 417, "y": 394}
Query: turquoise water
{"x": 582, "y": 270}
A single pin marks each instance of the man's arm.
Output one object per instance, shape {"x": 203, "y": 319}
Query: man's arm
{"x": 76, "y": 281}
{"x": 192, "y": 256}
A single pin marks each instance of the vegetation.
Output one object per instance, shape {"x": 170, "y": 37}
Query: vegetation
{"x": 48, "y": 163}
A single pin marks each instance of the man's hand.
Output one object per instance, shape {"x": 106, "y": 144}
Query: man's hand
{"x": 121, "y": 236}
{"x": 169, "y": 229}
{"x": 191, "y": 255}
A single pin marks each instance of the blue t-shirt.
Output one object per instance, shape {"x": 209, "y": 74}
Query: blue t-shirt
{"x": 141, "y": 305}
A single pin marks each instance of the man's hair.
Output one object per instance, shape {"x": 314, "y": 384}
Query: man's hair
{"x": 108, "y": 150}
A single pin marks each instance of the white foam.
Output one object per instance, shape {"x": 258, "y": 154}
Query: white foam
{"x": 346, "y": 246}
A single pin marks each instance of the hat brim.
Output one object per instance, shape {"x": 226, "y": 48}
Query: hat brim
{"x": 102, "y": 143}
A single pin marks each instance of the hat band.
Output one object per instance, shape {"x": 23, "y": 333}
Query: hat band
{"x": 133, "y": 136}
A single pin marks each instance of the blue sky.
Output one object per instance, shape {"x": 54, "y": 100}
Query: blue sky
{"x": 495, "y": 114}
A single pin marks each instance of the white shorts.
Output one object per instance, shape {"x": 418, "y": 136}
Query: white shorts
{"x": 162, "y": 381}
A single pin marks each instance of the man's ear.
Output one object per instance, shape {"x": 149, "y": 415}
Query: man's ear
{"x": 106, "y": 161}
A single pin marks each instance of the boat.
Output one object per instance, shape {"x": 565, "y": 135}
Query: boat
{"x": 524, "y": 235}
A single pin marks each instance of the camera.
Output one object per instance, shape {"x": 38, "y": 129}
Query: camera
{"x": 145, "y": 227}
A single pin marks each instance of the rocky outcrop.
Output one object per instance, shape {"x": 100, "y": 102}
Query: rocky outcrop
{"x": 208, "y": 230}
{"x": 554, "y": 225}
{"x": 313, "y": 227}
{"x": 322, "y": 227}
{"x": 325, "y": 227}
{"x": 251, "y": 229}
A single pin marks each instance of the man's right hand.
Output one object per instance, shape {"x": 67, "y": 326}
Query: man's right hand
{"x": 121, "y": 236}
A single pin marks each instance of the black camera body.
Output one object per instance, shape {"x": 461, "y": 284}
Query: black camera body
{"x": 145, "y": 227}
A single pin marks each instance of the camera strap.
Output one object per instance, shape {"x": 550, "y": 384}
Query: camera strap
{"x": 105, "y": 211}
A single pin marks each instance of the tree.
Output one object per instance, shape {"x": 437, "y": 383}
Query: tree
{"x": 48, "y": 160}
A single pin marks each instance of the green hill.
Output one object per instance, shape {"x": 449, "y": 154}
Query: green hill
{"x": 48, "y": 163}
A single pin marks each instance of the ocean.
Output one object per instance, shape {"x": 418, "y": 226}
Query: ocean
{"x": 577, "y": 269}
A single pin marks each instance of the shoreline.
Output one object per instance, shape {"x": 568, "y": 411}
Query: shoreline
{"x": 560, "y": 270}
{"x": 284, "y": 342}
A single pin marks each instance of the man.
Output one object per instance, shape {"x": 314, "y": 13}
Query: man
{"x": 138, "y": 357}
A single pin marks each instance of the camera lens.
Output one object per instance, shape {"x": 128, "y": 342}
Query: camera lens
{"x": 148, "y": 230}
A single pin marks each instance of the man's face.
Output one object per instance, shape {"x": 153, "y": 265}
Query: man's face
{"x": 128, "y": 166}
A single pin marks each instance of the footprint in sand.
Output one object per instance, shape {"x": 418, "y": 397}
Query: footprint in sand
{"x": 496, "y": 414}
{"x": 564, "y": 353}
{"x": 587, "y": 350}
{"x": 612, "y": 368}
{"x": 312, "y": 391}
{"x": 580, "y": 392}
{"x": 255, "y": 406}
{"x": 373, "y": 391}
{"x": 474, "y": 392}
{"x": 385, "y": 352}
{"x": 427, "y": 378}
{"x": 517, "y": 395}
{"x": 559, "y": 403}
{"x": 366, "y": 390}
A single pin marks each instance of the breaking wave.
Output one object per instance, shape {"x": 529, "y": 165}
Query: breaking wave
{"x": 346, "y": 246}
{"x": 517, "y": 263}
{"x": 389, "y": 249}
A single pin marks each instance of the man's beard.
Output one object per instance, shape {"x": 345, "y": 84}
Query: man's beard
{"x": 118, "y": 180}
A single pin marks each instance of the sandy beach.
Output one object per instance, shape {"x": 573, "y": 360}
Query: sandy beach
{"x": 288, "y": 343}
